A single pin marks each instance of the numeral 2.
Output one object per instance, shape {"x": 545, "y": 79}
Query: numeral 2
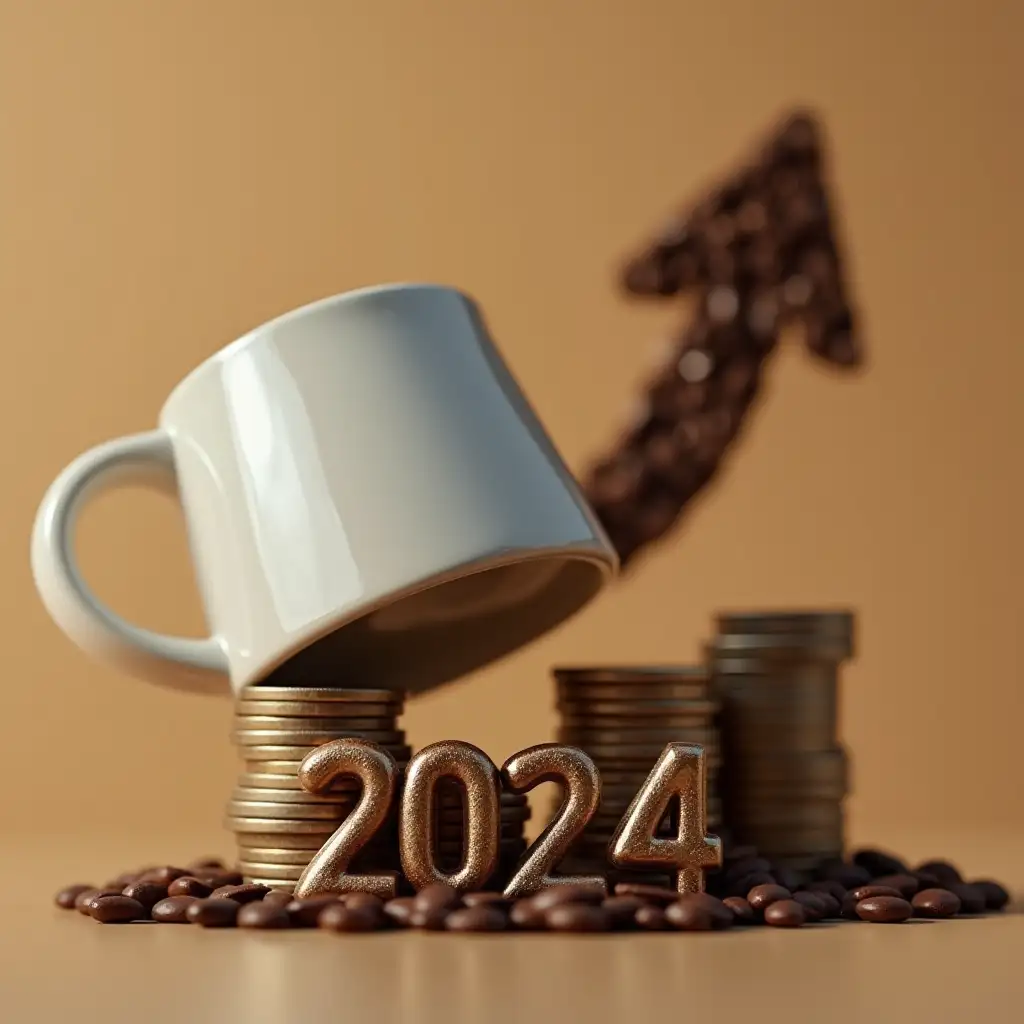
{"x": 581, "y": 781}
{"x": 678, "y": 772}
{"x": 478, "y": 777}
{"x": 377, "y": 770}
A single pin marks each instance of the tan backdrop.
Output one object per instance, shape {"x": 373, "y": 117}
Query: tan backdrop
{"x": 172, "y": 174}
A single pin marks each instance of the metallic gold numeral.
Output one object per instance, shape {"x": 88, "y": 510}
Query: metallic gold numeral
{"x": 376, "y": 769}
{"x": 478, "y": 777}
{"x": 679, "y": 772}
{"x": 581, "y": 781}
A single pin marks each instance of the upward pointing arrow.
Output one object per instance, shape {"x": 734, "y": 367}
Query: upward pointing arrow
{"x": 758, "y": 253}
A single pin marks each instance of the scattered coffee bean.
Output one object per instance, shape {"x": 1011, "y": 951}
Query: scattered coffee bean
{"x": 576, "y": 917}
{"x": 972, "y": 899}
{"x": 884, "y": 909}
{"x": 341, "y": 917}
{"x": 206, "y": 864}
{"x": 926, "y": 880}
{"x": 260, "y": 915}
{"x": 117, "y": 910}
{"x": 123, "y": 879}
{"x": 763, "y": 896}
{"x": 431, "y": 919}
{"x": 935, "y": 903}
{"x": 657, "y": 894}
{"x": 905, "y": 885}
{"x": 173, "y": 910}
{"x": 743, "y": 885}
{"x": 621, "y": 910}
{"x": 214, "y": 912}
{"x": 218, "y": 878}
{"x": 942, "y": 870}
{"x": 651, "y": 918}
{"x": 399, "y": 910}
{"x": 187, "y": 885}
{"x": 162, "y": 875}
{"x": 831, "y": 907}
{"x": 241, "y": 893}
{"x": 867, "y": 891}
{"x": 557, "y": 894}
{"x": 526, "y": 915}
{"x": 65, "y": 899}
{"x": 996, "y": 897}
{"x": 747, "y": 866}
{"x": 688, "y": 916}
{"x": 789, "y": 879}
{"x": 834, "y": 889}
{"x": 814, "y": 909}
{"x": 850, "y": 876}
{"x": 83, "y": 901}
{"x": 434, "y": 899}
{"x": 278, "y": 898}
{"x": 784, "y": 914}
{"x": 878, "y": 863}
{"x": 305, "y": 912}
{"x": 742, "y": 911}
{"x": 486, "y": 899}
{"x": 481, "y": 918}
{"x": 147, "y": 893}
{"x": 363, "y": 901}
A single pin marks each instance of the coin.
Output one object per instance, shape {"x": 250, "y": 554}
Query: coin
{"x": 268, "y": 825}
{"x": 295, "y": 754}
{"x": 268, "y": 873}
{"x": 253, "y": 723}
{"x": 838, "y": 623}
{"x": 318, "y": 709}
{"x": 655, "y": 737}
{"x": 327, "y": 693}
{"x": 281, "y": 840}
{"x": 290, "y": 783}
{"x": 265, "y": 855}
{"x": 311, "y": 737}
{"x": 587, "y": 675}
{"x": 636, "y": 718}
{"x": 619, "y": 692}
{"x": 621, "y": 754}
{"x": 247, "y": 794}
{"x": 299, "y": 812}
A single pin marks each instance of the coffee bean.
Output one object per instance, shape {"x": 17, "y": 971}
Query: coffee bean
{"x": 651, "y": 918}
{"x": 217, "y": 878}
{"x": 435, "y": 898}
{"x": 187, "y": 885}
{"x": 742, "y": 911}
{"x": 206, "y": 864}
{"x": 305, "y": 912}
{"x": 690, "y": 916}
{"x": 935, "y": 903}
{"x": 762, "y": 896}
{"x": 84, "y": 899}
{"x": 214, "y": 912}
{"x": 173, "y": 910}
{"x": 399, "y": 910}
{"x": 831, "y": 907}
{"x": 65, "y": 899}
{"x": 576, "y": 917}
{"x": 655, "y": 894}
{"x": 278, "y": 898}
{"x": 363, "y": 901}
{"x": 996, "y": 897}
{"x": 784, "y": 914}
{"x": 340, "y": 917}
{"x": 850, "y": 876}
{"x": 123, "y": 879}
{"x": 430, "y": 920}
{"x": 486, "y": 899}
{"x": 834, "y": 889}
{"x": 867, "y": 891}
{"x": 241, "y": 893}
{"x": 884, "y": 909}
{"x": 526, "y": 915}
{"x": 905, "y": 885}
{"x": 743, "y": 885}
{"x": 942, "y": 871}
{"x": 147, "y": 893}
{"x": 788, "y": 878}
{"x": 260, "y": 915}
{"x": 972, "y": 899}
{"x": 117, "y": 910}
{"x": 621, "y": 910}
{"x": 748, "y": 866}
{"x": 162, "y": 875}
{"x": 557, "y": 894}
{"x": 481, "y": 918}
{"x": 814, "y": 909}
{"x": 878, "y": 863}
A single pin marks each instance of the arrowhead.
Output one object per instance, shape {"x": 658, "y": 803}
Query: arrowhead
{"x": 763, "y": 239}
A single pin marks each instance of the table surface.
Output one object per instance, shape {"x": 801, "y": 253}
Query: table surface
{"x": 59, "y": 966}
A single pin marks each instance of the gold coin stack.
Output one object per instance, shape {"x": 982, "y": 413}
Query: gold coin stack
{"x": 450, "y": 831}
{"x": 786, "y": 774}
{"x": 623, "y": 718}
{"x": 278, "y": 825}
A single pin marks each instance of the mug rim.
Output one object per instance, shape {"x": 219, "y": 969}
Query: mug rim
{"x": 338, "y": 299}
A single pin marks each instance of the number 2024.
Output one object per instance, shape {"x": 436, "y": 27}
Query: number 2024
{"x": 679, "y": 773}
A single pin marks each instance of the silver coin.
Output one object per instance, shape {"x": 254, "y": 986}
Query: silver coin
{"x": 237, "y": 824}
{"x": 264, "y": 781}
{"x": 318, "y": 709}
{"x": 329, "y": 694}
{"x": 246, "y": 794}
{"x": 250, "y": 723}
{"x": 298, "y": 812}
{"x": 271, "y": 855}
{"x": 305, "y": 841}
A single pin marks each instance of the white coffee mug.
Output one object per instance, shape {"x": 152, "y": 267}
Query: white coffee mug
{"x": 369, "y": 500}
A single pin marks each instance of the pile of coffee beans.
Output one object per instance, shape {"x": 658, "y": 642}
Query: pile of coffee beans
{"x": 873, "y": 886}
{"x": 759, "y": 252}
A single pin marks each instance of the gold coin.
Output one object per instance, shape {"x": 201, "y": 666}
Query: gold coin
{"x": 270, "y": 883}
{"x": 620, "y": 755}
{"x": 656, "y": 736}
{"x": 265, "y": 855}
{"x": 684, "y": 694}
{"x": 246, "y": 794}
{"x": 252, "y": 723}
{"x": 328, "y": 693}
{"x": 299, "y": 812}
{"x": 263, "y": 781}
{"x": 279, "y": 872}
{"x": 281, "y": 840}
{"x": 312, "y": 737}
{"x": 590, "y": 674}
{"x": 318, "y": 709}
{"x": 296, "y": 754}
{"x": 631, "y": 708}
{"x": 631, "y": 721}
{"x": 237, "y": 824}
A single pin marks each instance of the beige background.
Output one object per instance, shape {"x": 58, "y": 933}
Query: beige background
{"x": 172, "y": 174}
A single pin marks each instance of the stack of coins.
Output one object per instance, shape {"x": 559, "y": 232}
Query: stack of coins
{"x": 450, "y": 831}
{"x": 623, "y": 718}
{"x": 785, "y": 774}
{"x": 278, "y": 825}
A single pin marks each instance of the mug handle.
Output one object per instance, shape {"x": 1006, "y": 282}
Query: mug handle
{"x": 182, "y": 663}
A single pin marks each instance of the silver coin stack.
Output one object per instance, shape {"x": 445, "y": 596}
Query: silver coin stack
{"x": 278, "y": 826}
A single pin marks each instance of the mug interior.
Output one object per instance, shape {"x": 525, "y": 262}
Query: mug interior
{"x": 423, "y": 639}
